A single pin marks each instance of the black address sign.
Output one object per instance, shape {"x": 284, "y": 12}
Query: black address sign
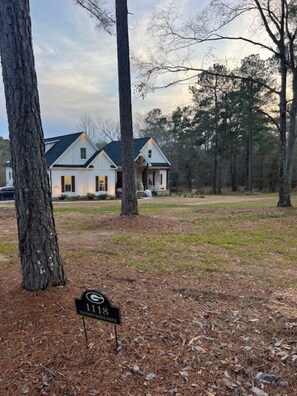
{"x": 96, "y": 305}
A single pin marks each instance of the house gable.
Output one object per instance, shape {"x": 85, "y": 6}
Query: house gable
{"x": 66, "y": 150}
{"x": 154, "y": 155}
{"x": 101, "y": 160}
{"x": 141, "y": 146}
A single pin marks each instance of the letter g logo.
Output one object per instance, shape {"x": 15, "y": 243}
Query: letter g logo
{"x": 95, "y": 298}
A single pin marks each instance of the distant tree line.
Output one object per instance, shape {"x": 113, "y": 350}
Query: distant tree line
{"x": 226, "y": 138}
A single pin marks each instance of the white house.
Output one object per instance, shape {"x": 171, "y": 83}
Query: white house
{"x": 76, "y": 167}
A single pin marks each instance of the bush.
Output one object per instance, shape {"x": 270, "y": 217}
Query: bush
{"x": 118, "y": 193}
{"x": 90, "y": 195}
{"x": 102, "y": 196}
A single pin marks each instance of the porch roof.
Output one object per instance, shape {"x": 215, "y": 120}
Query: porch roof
{"x": 160, "y": 165}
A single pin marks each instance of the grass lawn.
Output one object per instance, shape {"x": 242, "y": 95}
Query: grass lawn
{"x": 237, "y": 235}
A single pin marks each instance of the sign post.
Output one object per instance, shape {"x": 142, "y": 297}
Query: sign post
{"x": 95, "y": 305}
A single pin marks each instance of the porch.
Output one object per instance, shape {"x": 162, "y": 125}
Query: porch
{"x": 155, "y": 180}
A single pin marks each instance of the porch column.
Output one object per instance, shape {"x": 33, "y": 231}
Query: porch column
{"x": 145, "y": 177}
{"x": 167, "y": 179}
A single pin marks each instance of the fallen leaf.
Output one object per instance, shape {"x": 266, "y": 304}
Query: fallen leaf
{"x": 258, "y": 391}
{"x": 184, "y": 374}
{"x": 150, "y": 376}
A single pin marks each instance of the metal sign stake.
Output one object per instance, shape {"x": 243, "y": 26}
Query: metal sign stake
{"x": 85, "y": 331}
{"x": 95, "y": 305}
{"x": 116, "y": 338}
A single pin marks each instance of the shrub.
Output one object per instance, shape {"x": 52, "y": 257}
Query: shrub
{"x": 90, "y": 195}
{"x": 102, "y": 196}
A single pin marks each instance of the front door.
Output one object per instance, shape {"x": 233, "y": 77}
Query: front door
{"x": 145, "y": 178}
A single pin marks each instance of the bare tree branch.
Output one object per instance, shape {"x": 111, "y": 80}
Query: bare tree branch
{"x": 270, "y": 118}
{"x": 239, "y": 38}
{"x": 109, "y": 128}
{"x": 185, "y": 69}
{"x": 273, "y": 17}
{"x": 105, "y": 19}
{"x": 266, "y": 24}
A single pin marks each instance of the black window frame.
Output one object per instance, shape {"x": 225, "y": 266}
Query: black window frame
{"x": 83, "y": 153}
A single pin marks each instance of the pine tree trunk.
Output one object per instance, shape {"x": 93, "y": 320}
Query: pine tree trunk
{"x": 250, "y": 142}
{"x": 129, "y": 199}
{"x": 39, "y": 251}
{"x": 260, "y": 184}
{"x": 233, "y": 171}
{"x": 250, "y": 145}
{"x": 214, "y": 175}
{"x": 284, "y": 181}
{"x": 250, "y": 159}
{"x": 216, "y": 141}
{"x": 292, "y": 132}
{"x": 219, "y": 172}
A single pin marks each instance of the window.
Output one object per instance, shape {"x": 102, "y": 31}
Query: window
{"x": 9, "y": 175}
{"x": 151, "y": 178}
{"x": 150, "y": 153}
{"x": 68, "y": 183}
{"x": 161, "y": 179}
{"x": 83, "y": 153}
{"x": 101, "y": 183}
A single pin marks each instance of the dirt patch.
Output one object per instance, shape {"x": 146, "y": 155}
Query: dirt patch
{"x": 140, "y": 222}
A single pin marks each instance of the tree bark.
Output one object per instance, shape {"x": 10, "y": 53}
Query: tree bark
{"x": 284, "y": 181}
{"x": 291, "y": 146}
{"x": 250, "y": 154}
{"x": 129, "y": 199}
{"x": 233, "y": 174}
{"x": 220, "y": 169}
{"x": 216, "y": 140}
{"x": 39, "y": 252}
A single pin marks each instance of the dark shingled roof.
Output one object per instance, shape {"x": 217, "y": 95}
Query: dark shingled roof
{"x": 91, "y": 158}
{"x": 113, "y": 149}
{"x": 62, "y": 143}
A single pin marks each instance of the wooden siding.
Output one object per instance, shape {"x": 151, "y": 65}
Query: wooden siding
{"x": 72, "y": 155}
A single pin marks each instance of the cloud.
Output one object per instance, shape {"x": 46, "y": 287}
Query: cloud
{"x": 76, "y": 71}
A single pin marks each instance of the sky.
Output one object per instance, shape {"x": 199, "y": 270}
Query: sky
{"x": 77, "y": 68}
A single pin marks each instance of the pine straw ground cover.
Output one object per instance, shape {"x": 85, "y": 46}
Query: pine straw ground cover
{"x": 207, "y": 290}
